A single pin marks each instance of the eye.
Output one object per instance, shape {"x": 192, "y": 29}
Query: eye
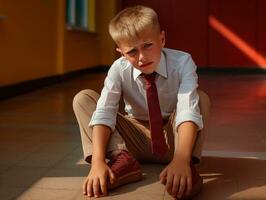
{"x": 147, "y": 45}
{"x": 132, "y": 52}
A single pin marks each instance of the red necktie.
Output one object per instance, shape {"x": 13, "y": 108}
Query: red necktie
{"x": 159, "y": 146}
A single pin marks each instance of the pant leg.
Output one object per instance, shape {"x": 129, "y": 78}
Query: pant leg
{"x": 84, "y": 104}
{"x": 137, "y": 137}
{"x": 136, "y": 134}
{"x": 133, "y": 134}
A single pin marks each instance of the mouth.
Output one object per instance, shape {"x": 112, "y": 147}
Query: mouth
{"x": 145, "y": 65}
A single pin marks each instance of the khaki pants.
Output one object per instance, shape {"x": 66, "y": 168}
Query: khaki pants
{"x": 132, "y": 134}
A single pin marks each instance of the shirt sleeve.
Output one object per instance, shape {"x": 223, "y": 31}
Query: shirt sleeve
{"x": 108, "y": 103}
{"x": 188, "y": 98}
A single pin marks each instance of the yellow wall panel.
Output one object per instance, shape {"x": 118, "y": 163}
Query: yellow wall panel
{"x": 34, "y": 42}
{"x": 27, "y": 40}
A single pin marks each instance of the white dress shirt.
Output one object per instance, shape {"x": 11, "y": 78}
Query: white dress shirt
{"x": 176, "y": 84}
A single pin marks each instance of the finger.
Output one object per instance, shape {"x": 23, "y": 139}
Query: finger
{"x": 163, "y": 180}
{"x": 163, "y": 176}
{"x": 84, "y": 186}
{"x": 96, "y": 190}
{"x": 103, "y": 186}
{"x": 169, "y": 183}
{"x": 189, "y": 186}
{"x": 111, "y": 176}
{"x": 182, "y": 185}
{"x": 163, "y": 173}
{"x": 89, "y": 189}
{"x": 175, "y": 186}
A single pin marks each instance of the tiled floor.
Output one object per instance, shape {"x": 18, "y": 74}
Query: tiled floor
{"x": 40, "y": 150}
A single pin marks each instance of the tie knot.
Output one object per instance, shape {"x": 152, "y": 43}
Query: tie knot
{"x": 149, "y": 78}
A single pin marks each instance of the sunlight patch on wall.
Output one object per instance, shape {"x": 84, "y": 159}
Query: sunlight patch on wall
{"x": 238, "y": 42}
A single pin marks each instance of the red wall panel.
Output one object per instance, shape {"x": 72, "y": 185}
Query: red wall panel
{"x": 239, "y": 17}
{"x": 187, "y": 28}
{"x": 261, "y": 41}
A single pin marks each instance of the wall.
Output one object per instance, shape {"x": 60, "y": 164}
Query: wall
{"x": 27, "y": 40}
{"x": 83, "y": 49}
{"x": 235, "y": 39}
{"x": 35, "y": 44}
{"x": 217, "y": 33}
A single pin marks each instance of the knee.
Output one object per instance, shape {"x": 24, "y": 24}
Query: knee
{"x": 84, "y": 96}
{"x": 204, "y": 101}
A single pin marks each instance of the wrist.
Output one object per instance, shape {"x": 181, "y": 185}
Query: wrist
{"x": 182, "y": 158}
{"x": 97, "y": 159}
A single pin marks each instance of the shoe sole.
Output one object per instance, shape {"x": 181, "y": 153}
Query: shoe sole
{"x": 128, "y": 178}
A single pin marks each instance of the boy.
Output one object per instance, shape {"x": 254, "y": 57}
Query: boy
{"x": 163, "y": 122}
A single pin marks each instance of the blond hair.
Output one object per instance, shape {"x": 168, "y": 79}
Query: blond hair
{"x": 131, "y": 21}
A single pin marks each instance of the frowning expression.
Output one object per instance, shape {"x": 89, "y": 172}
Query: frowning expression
{"x": 143, "y": 52}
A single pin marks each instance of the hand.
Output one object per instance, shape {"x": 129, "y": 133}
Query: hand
{"x": 177, "y": 178}
{"x": 95, "y": 184}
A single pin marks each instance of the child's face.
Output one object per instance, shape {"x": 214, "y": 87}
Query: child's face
{"x": 144, "y": 52}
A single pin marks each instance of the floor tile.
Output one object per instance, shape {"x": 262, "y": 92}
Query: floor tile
{"x": 217, "y": 188}
{"x": 49, "y": 155}
{"x": 73, "y": 160}
{"x": 45, "y": 194}
{"x": 9, "y": 193}
{"x": 251, "y": 189}
{"x": 21, "y": 176}
{"x": 62, "y": 179}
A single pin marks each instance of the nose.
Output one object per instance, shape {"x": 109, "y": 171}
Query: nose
{"x": 142, "y": 57}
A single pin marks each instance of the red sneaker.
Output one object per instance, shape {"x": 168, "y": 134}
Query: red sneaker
{"x": 125, "y": 168}
{"x": 197, "y": 183}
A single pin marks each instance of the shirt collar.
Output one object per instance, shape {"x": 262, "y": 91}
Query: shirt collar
{"x": 161, "y": 68}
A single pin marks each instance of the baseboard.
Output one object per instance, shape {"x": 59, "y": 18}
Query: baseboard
{"x": 230, "y": 70}
{"x": 28, "y": 86}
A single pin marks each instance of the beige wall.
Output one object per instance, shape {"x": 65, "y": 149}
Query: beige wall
{"x": 35, "y": 44}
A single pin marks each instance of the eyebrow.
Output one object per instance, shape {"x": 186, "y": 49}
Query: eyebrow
{"x": 133, "y": 49}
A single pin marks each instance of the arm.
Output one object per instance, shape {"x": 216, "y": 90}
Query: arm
{"x": 177, "y": 175}
{"x": 186, "y": 137}
{"x": 95, "y": 183}
{"x": 100, "y": 139}
{"x": 103, "y": 122}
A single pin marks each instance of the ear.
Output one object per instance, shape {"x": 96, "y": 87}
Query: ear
{"x": 119, "y": 51}
{"x": 162, "y": 37}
